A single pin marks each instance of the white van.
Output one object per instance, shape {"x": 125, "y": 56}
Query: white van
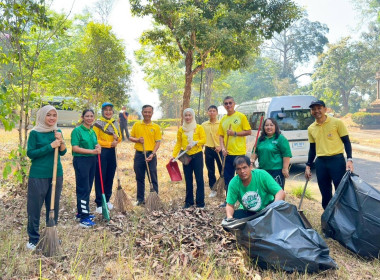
{"x": 293, "y": 116}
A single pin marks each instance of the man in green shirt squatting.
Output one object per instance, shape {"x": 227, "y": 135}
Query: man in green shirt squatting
{"x": 254, "y": 189}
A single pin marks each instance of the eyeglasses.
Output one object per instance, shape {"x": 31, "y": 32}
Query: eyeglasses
{"x": 228, "y": 103}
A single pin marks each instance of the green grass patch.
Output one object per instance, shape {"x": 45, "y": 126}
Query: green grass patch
{"x": 297, "y": 191}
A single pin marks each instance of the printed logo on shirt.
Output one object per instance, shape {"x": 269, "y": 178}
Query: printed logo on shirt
{"x": 236, "y": 121}
{"x": 251, "y": 200}
{"x": 274, "y": 142}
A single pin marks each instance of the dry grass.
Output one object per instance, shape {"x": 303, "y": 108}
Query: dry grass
{"x": 169, "y": 244}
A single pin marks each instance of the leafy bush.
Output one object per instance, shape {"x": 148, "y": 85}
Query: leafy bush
{"x": 363, "y": 118}
{"x": 299, "y": 190}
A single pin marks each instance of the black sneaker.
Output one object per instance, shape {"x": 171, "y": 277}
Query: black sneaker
{"x": 77, "y": 217}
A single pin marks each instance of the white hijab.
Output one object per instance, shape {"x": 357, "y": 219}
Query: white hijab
{"x": 41, "y": 126}
{"x": 189, "y": 128}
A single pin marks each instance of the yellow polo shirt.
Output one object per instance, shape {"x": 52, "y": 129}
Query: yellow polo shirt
{"x": 151, "y": 133}
{"x": 212, "y": 136}
{"x": 239, "y": 122}
{"x": 326, "y": 136}
{"x": 182, "y": 141}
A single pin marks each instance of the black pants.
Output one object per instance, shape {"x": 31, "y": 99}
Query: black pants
{"x": 84, "y": 177}
{"x": 229, "y": 170}
{"x": 241, "y": 213}
{"x": 124, "y": 130}
{"x": 39, "y": 191}
{"x": 196, "y": 166}
{"x": 210, "y": 157}
{"x": 329, "y": 169}
{"x": 277, "y": 176}
{"x": 108, "y": 162}
{"x": 139, "y": 166}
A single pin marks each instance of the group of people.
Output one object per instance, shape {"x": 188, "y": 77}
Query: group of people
{"x": 94, "y": 153}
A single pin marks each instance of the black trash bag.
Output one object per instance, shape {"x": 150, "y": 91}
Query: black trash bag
{"x": 277, "y": 238}
{"x": 352, "y": 216}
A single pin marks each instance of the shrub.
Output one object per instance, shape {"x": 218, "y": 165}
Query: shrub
{"x": 363, "y": 118}
{"x": 299, "y": 190}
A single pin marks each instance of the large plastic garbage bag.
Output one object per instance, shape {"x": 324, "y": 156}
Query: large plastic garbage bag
{"x": 277, "y": 238}
{"x": 353, "y": 216}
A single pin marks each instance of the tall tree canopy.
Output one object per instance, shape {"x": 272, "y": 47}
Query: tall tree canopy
{"x": 204, "y": 29}
{"x": 297, "y": 44}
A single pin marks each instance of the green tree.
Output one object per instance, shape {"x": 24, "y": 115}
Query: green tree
{"x": 297, "y": 44}
{"x": 102, "y": 69}
{"x": 346, "y": 69}
{"x": 198, "y": 31}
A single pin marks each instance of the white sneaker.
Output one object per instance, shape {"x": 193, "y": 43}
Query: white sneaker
{"x": 99, "y": 210}
{"x": 110, "y": 205}
{"x": 212, "y": 194}
{"x": 31, "y": 246}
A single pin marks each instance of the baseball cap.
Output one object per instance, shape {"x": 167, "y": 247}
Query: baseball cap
{"x": 317, "y": 102}
{"x": 106, "y": 104}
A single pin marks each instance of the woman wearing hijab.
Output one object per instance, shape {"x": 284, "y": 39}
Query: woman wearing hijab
{"x": 273, "y": 152}
{"x": 108, "y": 133}
{"x": 191, "y": 137}
{"x": 85, "y": 150}
{"x": 42, "y": 141}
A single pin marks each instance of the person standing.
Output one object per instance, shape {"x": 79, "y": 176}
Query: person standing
{"x": 191, "y": 137}
{"x": 328, "y": 137}
{"x": 240, "y": 128}
{"x": 123, "y": 121}
{"x": 273, "y": 152}
{"x": 42, "y": 141}
{"x": 146, "y": 133}
{"x": 212, "y": 147}
{"x": 85, "y": 150}
{"x": 108, "y": 134}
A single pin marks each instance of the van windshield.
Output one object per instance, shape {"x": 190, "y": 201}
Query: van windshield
{"x": 293, "y": 119}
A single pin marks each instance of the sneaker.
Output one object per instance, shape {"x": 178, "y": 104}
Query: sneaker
{"x": 223, "y": 205}
{"x": 186, "y": 206}
{"x": 110, "y": 205}
{"x": 139, "y": 203}
{"x": 99, "y": 210}
{"x": 31, "y": 246}
{"x": 77, "y": 217}
{"x": 212, "y": 194}
{"x": 86, "y": 223}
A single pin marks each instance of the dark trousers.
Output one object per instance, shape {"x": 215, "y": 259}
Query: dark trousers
{"x": 277, "y": 176}
{"x": 195, "y": 166}
{"x": 329, "y": 169}
{"x": 241, "y": 213}
{"x": 84, "y": 168}
{"x": 39, "y": 191}
{"x": 139, "y": 166}
{"x": 124, "y": 130}
{"x": 210, "y": 157}
{"x": 229, "y": 170}
{"x": 108, "y": 162}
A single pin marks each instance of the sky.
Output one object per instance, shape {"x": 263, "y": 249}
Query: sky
{"x": 339, "y": 15}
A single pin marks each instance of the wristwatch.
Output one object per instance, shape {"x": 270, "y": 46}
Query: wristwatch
{"x": 350, "y": 159}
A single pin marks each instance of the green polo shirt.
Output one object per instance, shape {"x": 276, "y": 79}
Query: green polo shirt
{"x": 257, "y": 195}
{"x": 42, "y": 155}
{"x": 271, "y": 151}
{"x": 84, "y": 138}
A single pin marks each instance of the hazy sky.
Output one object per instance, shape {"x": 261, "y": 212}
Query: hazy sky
{"x": 339, "y": 15}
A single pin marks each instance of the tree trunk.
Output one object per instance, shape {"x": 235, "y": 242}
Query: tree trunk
{"x": 210, "y": 75}
{"x": 188, "y": 80}
{"x": 345, "y": 105}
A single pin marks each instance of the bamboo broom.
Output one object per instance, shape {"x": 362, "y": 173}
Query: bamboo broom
{"x": 122, "y": 202}
{"x": 153, "y": 202}
{"x": 49, "y": 242}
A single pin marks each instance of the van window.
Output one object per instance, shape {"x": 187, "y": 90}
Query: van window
{"x": 254, "y": 120}
{"x": 293, "y": 119}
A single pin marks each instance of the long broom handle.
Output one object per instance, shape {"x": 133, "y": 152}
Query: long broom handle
{"x": 224, "y": 159}
{"x": 147, "y": 168}
{"x": 100, "y": 173}
{"x": 303, "y": 194}
{"x": 117, "y": 170}
{"x": 257, "y": 135}
{"x": 213, "y": 141}
{"x": 54, "y": 180}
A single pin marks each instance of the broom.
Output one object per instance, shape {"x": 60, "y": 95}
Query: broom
{"x": 122, "y": 202}
{"x": 220, "y": 184}
{"x": 49, "y": 243}
{"x": 153, "y": 202}
{"x": 213, "y": 140}
{"x": 105, "y": 211}
{"x": 257, "y": 137}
